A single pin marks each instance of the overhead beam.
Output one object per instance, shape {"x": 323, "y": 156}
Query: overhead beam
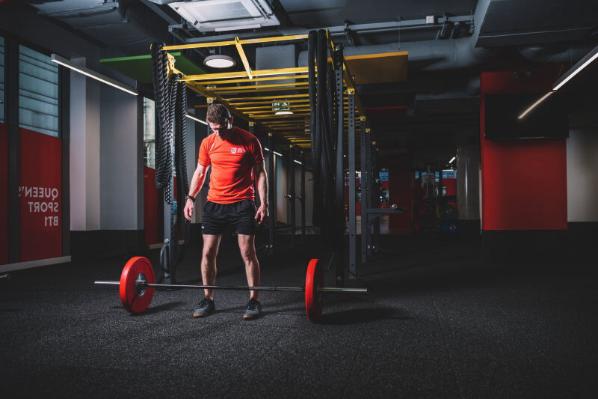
{"x": 274, "y": 39}
{"x": 241, "y": 74}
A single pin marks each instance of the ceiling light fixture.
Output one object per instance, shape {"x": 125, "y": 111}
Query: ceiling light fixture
{"x": 91, "y": 74}
{"x": 577, "y": 68}
{"x": 534, "y": 105}
{"x": 220, "y": 61}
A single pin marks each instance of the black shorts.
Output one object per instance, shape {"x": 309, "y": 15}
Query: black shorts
{"x": 217, "y": 218}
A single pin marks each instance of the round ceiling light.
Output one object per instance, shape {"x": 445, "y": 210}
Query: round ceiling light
{"x": 219, "y": 61}
{"x": 284, "y": 112}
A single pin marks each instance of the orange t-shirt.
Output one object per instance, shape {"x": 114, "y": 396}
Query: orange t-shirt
{"x": 232, "y": 160}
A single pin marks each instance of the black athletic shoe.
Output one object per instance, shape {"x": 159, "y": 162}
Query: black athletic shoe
{"x": 205, "y": 308}
{"x": 253, "y": 310}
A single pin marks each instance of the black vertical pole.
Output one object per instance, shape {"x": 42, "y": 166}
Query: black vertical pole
{"x": 64, "y": 86}
{"x": 340, "y": 169}
{"x": 251, "y": 128}
{"x": 291, "y": 194}
{"x": 140, "y": 243}
{"x": 351, "y": 159}
{"x": 14, "y": 148}
{"x": 272, "y": 196}
{"x": 375, "y": 201}
{"x": 364, "y": 163}
{"x": 303, "y": 195}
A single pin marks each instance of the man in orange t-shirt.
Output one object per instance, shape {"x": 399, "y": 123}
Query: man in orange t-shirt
{"x": 236, "y": 160}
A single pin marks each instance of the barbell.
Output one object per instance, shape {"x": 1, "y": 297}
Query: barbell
{"x": 138, "y": 283}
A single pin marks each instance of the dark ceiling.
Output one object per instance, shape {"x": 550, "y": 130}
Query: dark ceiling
{"x": 440, "y": 96}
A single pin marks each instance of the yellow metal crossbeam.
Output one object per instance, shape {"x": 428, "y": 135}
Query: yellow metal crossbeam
{"x": 247, "y": 80}
{"x": 244, "y": 59}
{"x": 258, "y": 40}
{"x": 258, "y": 89}
{"x": 241, "y": 74}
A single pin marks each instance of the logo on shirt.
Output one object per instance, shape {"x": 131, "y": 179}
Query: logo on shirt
{"x": 237, "y": 150}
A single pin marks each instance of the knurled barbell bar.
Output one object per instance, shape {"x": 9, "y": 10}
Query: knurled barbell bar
{"x": 137, "y": 284}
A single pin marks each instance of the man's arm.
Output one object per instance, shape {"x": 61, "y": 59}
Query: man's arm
{"x": 197, "y": 181}
{"x": 262, "y": 190}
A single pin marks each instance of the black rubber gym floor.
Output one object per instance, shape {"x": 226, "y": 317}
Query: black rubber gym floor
{"x": 437, "y": 324}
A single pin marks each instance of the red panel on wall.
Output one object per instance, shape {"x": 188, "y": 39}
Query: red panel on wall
{"x": 152, "y": 211}
{"x": 3, "y": 194}
{"x": 524, "y": 182}
{"x": 400, "y": 192}
{"x": 451, "y": 186}
{"x": 40, "y": 191}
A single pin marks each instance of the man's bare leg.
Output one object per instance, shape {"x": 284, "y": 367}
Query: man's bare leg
{"x": 211, "y": 243}
{"x": 252, "y": 265}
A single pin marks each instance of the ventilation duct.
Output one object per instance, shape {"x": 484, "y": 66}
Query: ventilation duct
{"x": 226, "y": 15}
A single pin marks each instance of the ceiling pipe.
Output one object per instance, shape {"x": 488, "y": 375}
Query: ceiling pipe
{"x": 430, "y": 55}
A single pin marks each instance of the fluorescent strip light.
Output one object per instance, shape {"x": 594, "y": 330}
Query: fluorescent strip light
{"x": 577, "y": 68}
{"x": 196, "y": 119}
{"x": 277, "y": 153}
{"x": 452, "y": 160}
{"x": 92, "y": 74}
{"x": 297, "y": 162}
{"x": 534, "y": 105}
{"x": 266, "y": 148}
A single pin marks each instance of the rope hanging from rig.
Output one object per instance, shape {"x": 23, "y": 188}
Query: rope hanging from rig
{"x": 162, "y": 95}
{"x": 171, "y": 134}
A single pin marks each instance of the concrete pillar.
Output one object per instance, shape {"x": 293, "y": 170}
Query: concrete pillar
{"x": 84, "y": 154}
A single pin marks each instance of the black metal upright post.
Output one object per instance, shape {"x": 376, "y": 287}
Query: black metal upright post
{"x": 11, "y": 60}
{"x": 258, "y": 202}
{"x": 302, "y": 199}
{"x": 340, "y": 168}
{"x": 351, "y": 160}
{"x": 271, "y": 196}
{"x": 365, "y": 203}
{"x": 291, "y": 193}
{"x": 65, "y": 123}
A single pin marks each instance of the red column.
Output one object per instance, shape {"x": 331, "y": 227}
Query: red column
{"x": 524, "y": 182}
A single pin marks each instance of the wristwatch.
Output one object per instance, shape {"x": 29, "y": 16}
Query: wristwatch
{"x": 191, "y": 198}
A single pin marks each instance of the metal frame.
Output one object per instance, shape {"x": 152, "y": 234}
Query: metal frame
{"x": 272, "y": 196}
{"x": 365, "y": 190}
{"x": 291, "y": 194}
{"x": 302, "y": 198}
{"x": 351, "y": 160}
{"x": 340, "y": 150}
{"x": 250, "y": 100}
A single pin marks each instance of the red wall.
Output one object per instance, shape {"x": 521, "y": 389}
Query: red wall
{"x": 152, "y": 211}
{"x": 40, "y": 191}
{"x": 524, "y": 182}
{"x": 3, "y": 194}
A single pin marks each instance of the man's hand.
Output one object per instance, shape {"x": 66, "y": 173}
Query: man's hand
{"x": 261, "y": 213}
{"x": 188, "y": 212}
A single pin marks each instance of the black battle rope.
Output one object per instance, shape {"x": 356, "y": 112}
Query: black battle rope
{"x": 163, "y": 136}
